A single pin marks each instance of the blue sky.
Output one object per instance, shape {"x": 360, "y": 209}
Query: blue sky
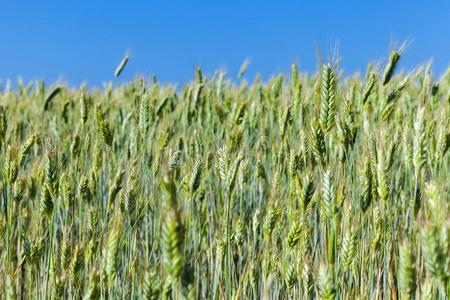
{"x": 84, "y": 40}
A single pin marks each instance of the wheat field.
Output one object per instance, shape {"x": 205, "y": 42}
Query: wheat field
{"x": 307, "y": 186}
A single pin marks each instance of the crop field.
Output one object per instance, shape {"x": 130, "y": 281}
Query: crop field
{"x": 305, "y": 186}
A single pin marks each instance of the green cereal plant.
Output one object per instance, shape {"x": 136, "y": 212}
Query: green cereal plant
{"x": 323, "y": 186}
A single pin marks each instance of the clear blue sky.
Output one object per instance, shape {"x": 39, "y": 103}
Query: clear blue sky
{"x": 84, "y": 40}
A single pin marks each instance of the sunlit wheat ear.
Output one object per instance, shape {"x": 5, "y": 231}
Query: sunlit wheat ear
{"x": 51, "y": 173}
{"x": 295, "y": 84}
{"x": 407, "y": 271}
{"x": 291, "y": 276}
{"x": 19, "y": 190}
{"x": 103, "y": 126}
{"x": 196, "y": 176}
{"x": 223, "y": 161}
{"x": 144, "y": 113}
{"x": 285, "y": 120}
{"x": 239, "y": 233}
{"x": 26, "y": 148}
{"x": 174, "y": 160}
{"x": 277, "y": 86}
{"x": 443, "y": 143}
{"x": 121, "y": 65}
{"x": 151, "y": 287}
{"x": 106, "y": 132}
{"x": 260, "y": 170}
{"x": 327, "y": 98}
{"x": 65, "y": 254}
{"x": 325, "y": 283}
{"x": 220, "y": 250}
{"x": 76, "y": 265}
{"x": 112, "y": 250}
{"x": 66, "y": 191}
{"x": 115, "y": 186}
{"x": 11, "y": 168}
{"x": 368, "y": 89}
{"x": 244, "y": 173}
{"x": 46, "y": 204}
{"x": 383, "y": 183}
{"x": 83, "y": 189}
{"x": 294, "y": 164}
{"x": 50, "y": 97}
{"x": 75, "y": 146}
{"x": 348, "y": 249}
{"x": 92, "y": 219}
{"x": 235, "y": 140}
{"x": 93, "y": 288}
{"x": 232, "y": 174}
{"x": 58, "y": 287}
{"x": 394, "y": 58}
{"x": 294, "y": 234}
{"x": 84, "y": 108}
{"x": 318, "y": 143}
{"x": 199, "y": 75}
{"x": 307, "y": 280}
{"x": 307, "y": 191}
{"x": 272, "y": 216}
{"x": 328, "y": 196}
{"x": 243, "y": 68}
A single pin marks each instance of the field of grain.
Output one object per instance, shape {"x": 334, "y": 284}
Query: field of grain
{"x": 307, "y": 186}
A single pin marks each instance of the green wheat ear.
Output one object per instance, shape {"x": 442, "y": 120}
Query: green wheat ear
{"x": 291, "y": 276}
{"x": 58, "y": 287}
{"x": 434, "y": 254}
{"x": 50, "y": 97}
{"x": 307, "y": 191}
{"x": 367, "y": 183}
{"x": 151, "y": 288}
{"x": 348, "y": 249}
{"x": 294, "y": 234}
{"x": 26, "y": 148}
{"x": 121, "y": 65}
{"x": 93, "y": 288}
{"x": 83, "y": 190}
{"x": 318, "y": 147}
{"x": 112, "y": 250}
{"x": 195, "y": 177}
{"x": 172, "y": 233}
{"x": 394, "y": 58}
{"x": 144, "y": 113}
{"x": 407, "y": 271}
{"x": 328, "y": 196}
{"x": 3, "y": 124}
{"x": 368, "y": 89}
{"x": 325, "y": 283}
{"x": 51, "y": 173}
{"x": 84, "y": 109}
{"x": 106, "y": 133}
{"x": 327, "y": 99}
